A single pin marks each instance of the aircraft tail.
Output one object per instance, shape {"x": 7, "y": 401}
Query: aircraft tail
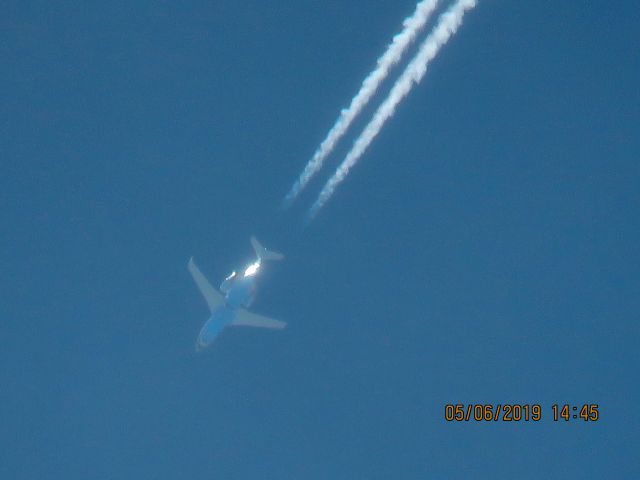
{"x": 264, "y": 254}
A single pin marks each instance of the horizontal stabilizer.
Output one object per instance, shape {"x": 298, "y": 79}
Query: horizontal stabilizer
{"x": 264, "y": 254}
{"x": 244, "y": 318}
{"x": 211, "y": 295}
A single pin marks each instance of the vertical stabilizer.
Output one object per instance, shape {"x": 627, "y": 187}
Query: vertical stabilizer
{"x": 264, "y": 254}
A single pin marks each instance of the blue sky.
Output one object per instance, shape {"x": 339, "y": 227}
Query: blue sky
{"x": 485, "y": 250}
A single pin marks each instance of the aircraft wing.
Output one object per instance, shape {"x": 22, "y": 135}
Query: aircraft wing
{"x": 244, "y": 318}
{"x": 211, "y": 295}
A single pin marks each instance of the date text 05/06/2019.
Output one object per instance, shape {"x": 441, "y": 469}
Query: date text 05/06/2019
{"x": 519, "y": 412}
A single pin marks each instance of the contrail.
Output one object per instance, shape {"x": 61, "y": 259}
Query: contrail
{"x": 448, "y": 24}
{"x": 412, "y": 26}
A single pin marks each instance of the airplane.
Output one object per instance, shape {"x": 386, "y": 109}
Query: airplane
{"x": 228, "y": 306}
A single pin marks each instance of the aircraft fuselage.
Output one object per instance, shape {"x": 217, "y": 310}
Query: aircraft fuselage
{"x": 236, "y": 294}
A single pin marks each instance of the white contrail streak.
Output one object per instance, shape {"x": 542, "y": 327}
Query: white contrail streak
{"x": 447, "y": 25}
{"x": 412, "y": 26}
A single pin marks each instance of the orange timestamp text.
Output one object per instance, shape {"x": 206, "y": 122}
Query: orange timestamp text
{"x": 516, "y": 412}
